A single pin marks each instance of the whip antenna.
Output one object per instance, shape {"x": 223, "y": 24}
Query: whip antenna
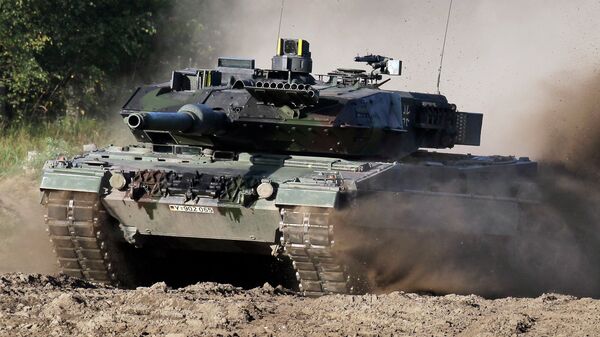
{"x": 280, "y": 16}
{"x": 443, "y": 45}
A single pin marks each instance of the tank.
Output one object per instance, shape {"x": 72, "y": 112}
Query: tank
{"x": 241, "y": 161}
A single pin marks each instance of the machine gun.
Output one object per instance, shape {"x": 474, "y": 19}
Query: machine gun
{"x": 386, "y": 65}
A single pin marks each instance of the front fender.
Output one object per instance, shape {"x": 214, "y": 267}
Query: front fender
{"x": 73, "y": 179}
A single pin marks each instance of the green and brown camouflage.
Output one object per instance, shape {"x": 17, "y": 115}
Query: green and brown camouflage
{"x": 270, "y": 161}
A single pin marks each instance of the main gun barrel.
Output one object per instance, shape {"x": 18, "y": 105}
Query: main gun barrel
{"x": 165, "y": 121}
{"x": 191, "y": 118}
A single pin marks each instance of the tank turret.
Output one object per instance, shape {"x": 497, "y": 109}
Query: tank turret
{"x": 285, "y": 109}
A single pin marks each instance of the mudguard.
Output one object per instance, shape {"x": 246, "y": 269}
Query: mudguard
{"x": 80, "y": 180}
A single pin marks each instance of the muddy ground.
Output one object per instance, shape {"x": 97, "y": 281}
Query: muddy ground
{"x": 36, "y": 305}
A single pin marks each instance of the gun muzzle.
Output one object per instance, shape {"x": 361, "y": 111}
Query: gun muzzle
{"x": 191, "y": 118}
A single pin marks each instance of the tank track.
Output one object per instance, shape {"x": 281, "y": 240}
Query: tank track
{"x": 83, "y": 237}
{"x": 307, "y": 239}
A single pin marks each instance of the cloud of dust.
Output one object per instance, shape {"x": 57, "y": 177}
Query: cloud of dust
{"x": 570, "y": 120}
{"x": 24, "y": 243}
{"x": 394, "y": 248}
{"x": 570, "y": 177}
{"x": 442, "y": 246}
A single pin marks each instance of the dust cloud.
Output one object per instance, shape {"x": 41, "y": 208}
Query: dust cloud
{"x": 24, "y": 243}
{"x": 554, "y": 247}
{"x": 571, "y": 120}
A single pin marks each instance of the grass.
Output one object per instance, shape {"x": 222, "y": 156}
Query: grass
{"x": 64, "y": 136}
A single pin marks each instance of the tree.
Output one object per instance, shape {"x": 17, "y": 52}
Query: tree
{"x": 58, "y": 55}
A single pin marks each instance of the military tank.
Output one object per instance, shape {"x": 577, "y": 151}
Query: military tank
{"x": 276, "y": 162}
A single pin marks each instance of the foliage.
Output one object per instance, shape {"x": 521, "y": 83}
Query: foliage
{"x": 57, "y": 55}
{"x": 63, "y": 136}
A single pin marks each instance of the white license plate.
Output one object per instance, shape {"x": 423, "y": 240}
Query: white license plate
{"x": 192, "y": 209}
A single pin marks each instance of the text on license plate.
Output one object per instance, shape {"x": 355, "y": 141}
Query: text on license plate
{"x": 192, "y": 209}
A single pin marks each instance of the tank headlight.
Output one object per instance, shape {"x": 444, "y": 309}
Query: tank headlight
{"x": 117, "y": 181}
{"x": 265, "y": 190}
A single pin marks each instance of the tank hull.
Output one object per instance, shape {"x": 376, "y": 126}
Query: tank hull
{"x": 315, "y": 202}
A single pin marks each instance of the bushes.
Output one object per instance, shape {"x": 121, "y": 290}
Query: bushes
{"x": 58, "y": 56}
{"x": 64, "y": 136}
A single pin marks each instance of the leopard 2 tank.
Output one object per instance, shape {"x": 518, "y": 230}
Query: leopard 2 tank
{"x": 249, "y": 161}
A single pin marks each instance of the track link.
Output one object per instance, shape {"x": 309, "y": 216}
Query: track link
{"x": 82, "y": 234}
{"x": 307, "y": 239}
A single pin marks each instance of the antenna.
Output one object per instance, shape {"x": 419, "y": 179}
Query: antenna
{"x": 280, "y": 16}
{"x": 443, "y": 47}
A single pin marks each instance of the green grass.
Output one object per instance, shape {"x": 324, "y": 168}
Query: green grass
{"x": 64, "y": 136}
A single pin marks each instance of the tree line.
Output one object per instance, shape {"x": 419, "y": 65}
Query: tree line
{"x": 85, "y": 57}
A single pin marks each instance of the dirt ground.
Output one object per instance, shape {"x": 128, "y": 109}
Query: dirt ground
{"x": 37, "y": 305}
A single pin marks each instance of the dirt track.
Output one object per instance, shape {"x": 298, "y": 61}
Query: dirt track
{"x": 36, "y": 305}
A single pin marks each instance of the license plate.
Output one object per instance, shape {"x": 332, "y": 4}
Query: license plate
{"x": 192, "y": 209}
